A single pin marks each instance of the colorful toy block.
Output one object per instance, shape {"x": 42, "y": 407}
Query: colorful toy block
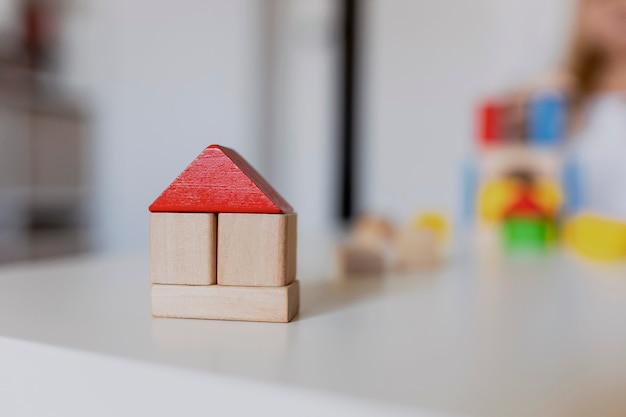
{"x": 219, "y": 180}
{"x": 489, "y": 122}
{"x": 596, "y": 237}
{"x": 223, "y": 244}
{"x": 526, "y": 233}
{"x": 434, "y": 221}
{"x": 547, "y": 118}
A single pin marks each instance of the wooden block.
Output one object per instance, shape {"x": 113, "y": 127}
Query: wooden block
{"x": 183, "y": 248}
{"x": 356, "y": 260}
{"x": 219, "y": 180}
{"x": 499, "y": 161}
{"x": 418, "y": 248}
{"x": 490, "y": 117}
{"x": 256, "y": 249}
{"x": 215, "y": 302}
{"x": 372, "y": 230}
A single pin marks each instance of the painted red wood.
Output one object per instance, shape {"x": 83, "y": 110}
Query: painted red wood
{"x": 219, "y": 180}
{"x": 525, "y": 206}
{"x": 490, "y": 122}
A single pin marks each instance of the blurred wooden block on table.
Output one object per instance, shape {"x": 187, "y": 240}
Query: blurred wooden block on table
{"x": 358, "y": 260}
{"x": 417, "y": 248}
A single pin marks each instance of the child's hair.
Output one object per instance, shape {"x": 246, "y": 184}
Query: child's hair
{"x": 585, "y": 61}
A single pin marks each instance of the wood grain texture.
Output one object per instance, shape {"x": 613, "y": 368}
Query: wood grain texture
{"x": 183, "y": 248}
{"x": 256, "y": 249}
{"x": 219, "y": 180}
{"x": 215, "y": 302}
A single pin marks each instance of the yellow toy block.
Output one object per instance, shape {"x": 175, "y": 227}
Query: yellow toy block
{"x": 434, "y": 221}
{"x": 596, "y": 237}
{"x": 494, "y": 197}
{"x": 547, "y": 193}
{"x": 497, "y": 195}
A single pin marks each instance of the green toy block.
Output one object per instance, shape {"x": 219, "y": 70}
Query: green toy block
{"x": 527, "y": 233}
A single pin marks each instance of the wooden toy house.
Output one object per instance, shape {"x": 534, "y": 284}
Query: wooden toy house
{"x": 223, "y": 244}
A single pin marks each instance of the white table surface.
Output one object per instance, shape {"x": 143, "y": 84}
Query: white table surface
{"x": 541, "y": 338}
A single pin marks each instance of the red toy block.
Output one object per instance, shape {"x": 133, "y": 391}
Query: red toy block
{"x": 219, "y": 180}
{"x": 525, "y": 206}
{"x": 490, "y": 122}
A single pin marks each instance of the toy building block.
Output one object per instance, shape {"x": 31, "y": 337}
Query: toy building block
{"x": 270, "y": 304}
{"x": 219, "y": 222}
{"x": 373, "y": 230}
{"x": 417, "y": 248}
{"x": 219, "y": 180}
{"x": 183, "y": 248}
{"x": 256, "y": 249}
{"x": 357, "y": 260}
{"x": 369, "y": 250}
{"x": 596, "y": 237}
{"x": 526, "y": 233}
{"x": 572, "y": 181}
{"x": 498, "y": 161}
{"x": 490, "y": 122}
{"x": 514, "y": 121}
{"x": 528, "y": 219}
{"x": 434, "y": 221}
{"x": 547, "y": 118}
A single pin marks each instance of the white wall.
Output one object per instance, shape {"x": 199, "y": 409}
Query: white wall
{"x": 165, "y": 79}
{"x": 304, "y": 102}
{"x": 426, "y": 65}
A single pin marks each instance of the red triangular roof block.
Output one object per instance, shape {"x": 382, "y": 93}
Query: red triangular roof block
{"x": 525, "y": 206}
{"x": 219, "y": 180}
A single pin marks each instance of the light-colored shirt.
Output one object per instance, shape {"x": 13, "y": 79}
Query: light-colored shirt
{"x": 599, "y": 150}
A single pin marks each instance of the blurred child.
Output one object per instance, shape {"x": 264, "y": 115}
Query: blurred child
{"x": 594, "y": 79}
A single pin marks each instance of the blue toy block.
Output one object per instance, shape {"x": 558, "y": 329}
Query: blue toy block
{"x": 572, "y": 185}
{"x": 547, "y": 117}
{"x": 469, "y": 184}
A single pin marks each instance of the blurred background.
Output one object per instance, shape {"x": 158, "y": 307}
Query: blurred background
{"x": 345, "y": 106}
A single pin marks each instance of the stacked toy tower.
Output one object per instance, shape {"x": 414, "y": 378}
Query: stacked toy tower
{"x": 223, "y": 244}
{"x": 522, "y": 176}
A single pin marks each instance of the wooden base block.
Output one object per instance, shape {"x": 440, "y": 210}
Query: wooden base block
{"x": 183, "y": 248}
{"x": 257, "y": 250}
{"x": 215, "y": 302}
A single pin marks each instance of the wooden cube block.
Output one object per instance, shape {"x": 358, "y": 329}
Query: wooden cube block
{"x": 256, "y": 249}
{"x": 215, "y": 302}
{"x": 183, "y": 248}
{"x": 418, "y": 248}
{"x": 499, "y": 161}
